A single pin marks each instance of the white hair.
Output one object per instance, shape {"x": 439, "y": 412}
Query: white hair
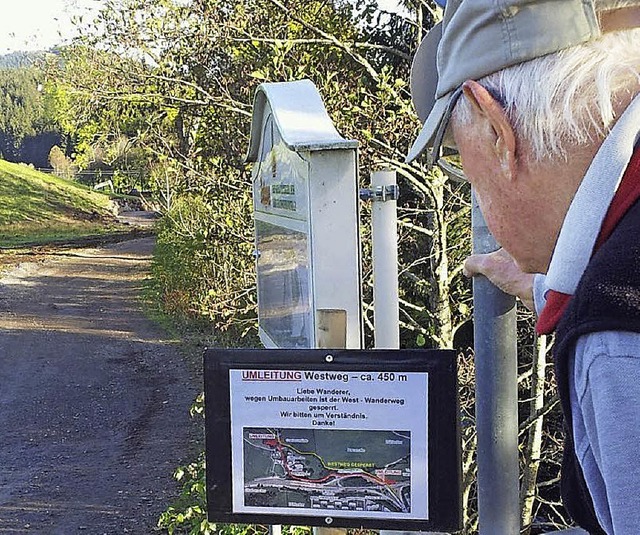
{"x": 566, "y": 98}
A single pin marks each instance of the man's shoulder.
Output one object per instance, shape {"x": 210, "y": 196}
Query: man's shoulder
{"x": 608, "y": 295}
{"x": 609, "y": 352}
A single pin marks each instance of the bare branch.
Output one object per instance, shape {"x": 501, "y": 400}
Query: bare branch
{"x": 549, "y": 406}
{"x": 343, "y": 46}
{"x": 358, "y": 45}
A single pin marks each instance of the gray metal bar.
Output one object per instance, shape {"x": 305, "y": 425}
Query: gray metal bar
{"x": 496, "y": 397}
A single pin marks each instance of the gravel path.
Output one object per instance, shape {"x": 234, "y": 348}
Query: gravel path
{"x": 94, "y": 397}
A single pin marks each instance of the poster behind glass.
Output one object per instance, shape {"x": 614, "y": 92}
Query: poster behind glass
{"x": 284, "y": 285}
{"x": 281, "y": 192}
{"x": 281, "y": 178}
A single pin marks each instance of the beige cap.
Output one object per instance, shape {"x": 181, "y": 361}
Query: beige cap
{"x": 480, "y": 37}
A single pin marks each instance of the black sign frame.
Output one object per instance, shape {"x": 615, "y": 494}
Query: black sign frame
{"x": 444, "y": 483}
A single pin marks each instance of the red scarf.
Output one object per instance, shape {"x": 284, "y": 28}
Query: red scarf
{"x": 626, "y": 196}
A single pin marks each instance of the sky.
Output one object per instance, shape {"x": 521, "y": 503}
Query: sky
{"x": 388, "y": 5}
{"x": 38, "y": 24}
{"x": 41, "y": 24}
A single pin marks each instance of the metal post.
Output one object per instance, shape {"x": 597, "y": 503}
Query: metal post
{"x": 384, "y": 235}
{"x": 332, "y": 334}
{"x": 496, "y": 396}
{"x": 384, "y": 252}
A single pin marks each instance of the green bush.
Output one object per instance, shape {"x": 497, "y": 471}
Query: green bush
{"x": 204, "y": 269}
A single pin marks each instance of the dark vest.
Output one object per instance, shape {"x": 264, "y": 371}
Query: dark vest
{"x": 606, "y": 299}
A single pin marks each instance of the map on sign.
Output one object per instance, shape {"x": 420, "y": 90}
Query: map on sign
{"x": 327, "y": 470}
{"x": 323, "y": 443}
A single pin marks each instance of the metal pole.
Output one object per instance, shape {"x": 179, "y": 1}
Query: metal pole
{"x": 332, "y": 327}
{"x": 384, "y": 236}
{"x": 496, "y": 396}
{"x": 384, "y": 252}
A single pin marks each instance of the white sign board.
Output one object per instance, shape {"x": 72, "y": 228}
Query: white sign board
{"x": 352, "y": 439}
{"x": 321, "y": 442}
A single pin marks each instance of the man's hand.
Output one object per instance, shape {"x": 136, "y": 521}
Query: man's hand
{"x": 502, "y": 271}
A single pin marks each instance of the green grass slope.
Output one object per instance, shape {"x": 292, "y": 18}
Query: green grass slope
{"x": 37, "y": 208}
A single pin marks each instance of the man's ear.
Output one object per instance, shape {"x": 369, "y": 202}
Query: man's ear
{"x": 489, "y": 109}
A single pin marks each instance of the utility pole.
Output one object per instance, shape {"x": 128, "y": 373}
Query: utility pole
{"x": 496, "y": 396}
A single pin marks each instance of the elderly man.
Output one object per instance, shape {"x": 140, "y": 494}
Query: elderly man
{"x": 540, "y": 99}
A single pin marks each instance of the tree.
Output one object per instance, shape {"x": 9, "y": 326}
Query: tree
{"x": 19, "y": 60}
{"x": 61, "y": 165}
{"x": 28, "y": 128}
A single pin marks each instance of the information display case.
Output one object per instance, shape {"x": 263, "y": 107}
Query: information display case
{"x": 305, "y": 196}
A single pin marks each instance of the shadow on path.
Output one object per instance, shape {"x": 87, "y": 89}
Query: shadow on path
{"x": 94, "y": 397}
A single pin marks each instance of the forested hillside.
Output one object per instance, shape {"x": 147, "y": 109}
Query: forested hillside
{"x": 28, "y": 125}
{"x": 18, "y": 60}
{"x": 159, "y": 94}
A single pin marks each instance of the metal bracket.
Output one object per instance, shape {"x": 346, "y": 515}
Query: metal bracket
{"x": 380, "y": 194}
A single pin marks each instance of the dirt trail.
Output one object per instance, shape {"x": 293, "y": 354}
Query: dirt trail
{"x": 93, "y": 397}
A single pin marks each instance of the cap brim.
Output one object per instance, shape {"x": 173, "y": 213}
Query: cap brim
{"x": 424, "y": 82}
{"x": 424, "y": 73}
{"x": 428, "y": 132}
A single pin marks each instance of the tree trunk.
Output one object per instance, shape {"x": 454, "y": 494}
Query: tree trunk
{"x": 440, "y": 265}
{"x": 534, "y": 438}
